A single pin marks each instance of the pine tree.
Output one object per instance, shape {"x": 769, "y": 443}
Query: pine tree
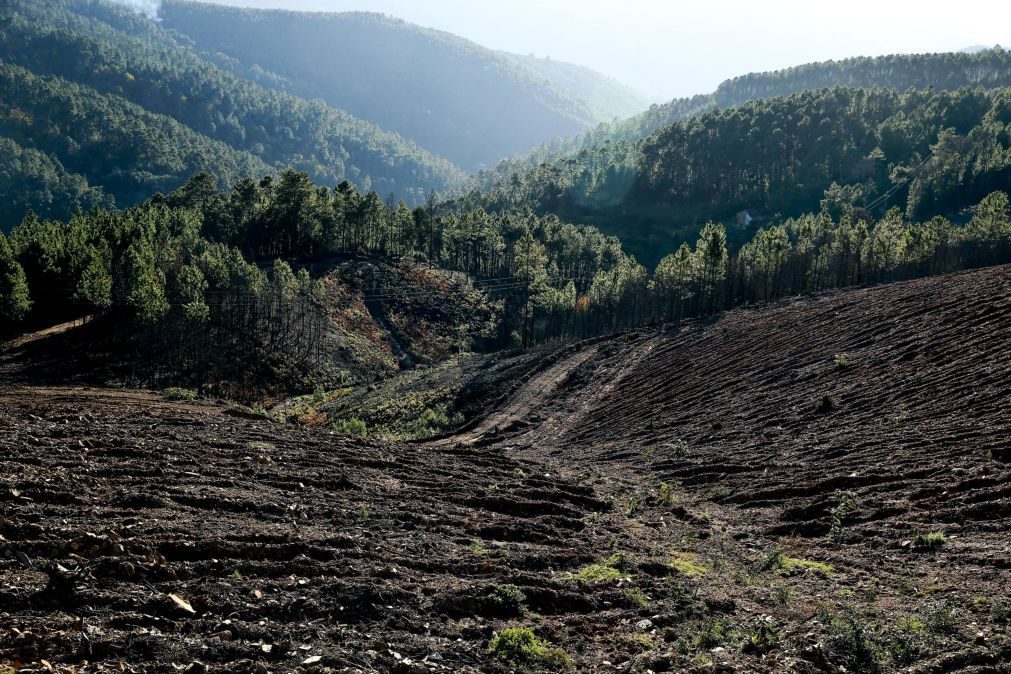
{"x": 14, "y": 299}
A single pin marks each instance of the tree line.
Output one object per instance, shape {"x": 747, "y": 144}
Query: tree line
{"x": 930, "y": 152}
{"x": 200, "y": 279}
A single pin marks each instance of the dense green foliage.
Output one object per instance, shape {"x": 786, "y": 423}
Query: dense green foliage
{"x": 106, "y": 106}
{"x": 933, "y": 152}
{"x": 184, "y": 277}
{"x": 462, "y": 101}
{"x": 988, "y": 69}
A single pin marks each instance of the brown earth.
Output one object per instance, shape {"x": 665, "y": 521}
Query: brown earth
{"x": 805, "y": 447}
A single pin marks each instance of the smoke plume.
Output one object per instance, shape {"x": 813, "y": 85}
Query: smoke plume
{"x": 149, "y": 8}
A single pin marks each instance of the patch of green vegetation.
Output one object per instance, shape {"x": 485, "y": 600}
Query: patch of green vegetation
{"x": 1000, "y": 612}
{"x": 777, "y": 560}
{"x": 351, "y": 426}
{"x": 678, "y": 448}
{"x": 399, "y": 413}
{"x": 845, "y": 504}
{"x": 615, "y": 567}
{"x": 478, "y": 548}
{"x": 176, "y": 393}
{"x": 644, "y": 641}
{"x": 807, "y": 564}
{"x": 857, "y": 643}
{"x": 519, "y": 647}
{"x": 842, "y": 361}
{"x": 261, "y": 445}
{"x": 636, "y": 598}
{"x": 930, "y": 589}
{"x": 687, "y": 563}
{"x": 719, "y": 492}
{"x": 929, "y": 541}
{"x": 632, "y": 506}
{"x": 507, "y": 600}
{"x": 665, "y": 497}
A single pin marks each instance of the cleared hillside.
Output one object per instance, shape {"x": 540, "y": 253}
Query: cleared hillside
{"x": 807, "y": 451}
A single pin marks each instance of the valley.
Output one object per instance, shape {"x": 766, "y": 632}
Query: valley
{"x": 375, "y": 337}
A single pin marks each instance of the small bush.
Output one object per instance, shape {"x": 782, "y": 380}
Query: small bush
{"x": 665, "y": 498}
{"x": 712, "y": 633}
{"x": 853, "y": 643}
{"x": 719, "y": 493}
{"x": 632, "y": 507}
{"x": 519, "y": 647}
{"x": 507, "y": 600}
{"x": 842, "y": 361}
{"x": 351, "y": 427}
{"x": 636, "y": 598}
{"x": 847, "y": 503}
{"x": 176, "y": 393}
{"x": 1000, "y": 612}
{"x": 941, "y": 619}
{"x": 907, "y": 641}
{"x": 678, "y": 448}
{"x": 762, "y": 639}
{"x": 929, "y": 541}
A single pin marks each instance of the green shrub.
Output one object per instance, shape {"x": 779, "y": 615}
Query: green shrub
{"x": 507, "y": 600}
{"x": 351, "y": 426}
{"x": 519, "y": 647}
{"x": 665, "y": 498}
{"x": 719, "y": 493}
{"x": 853, "y": 643}
{"x": 847, "y": 503}
{"x": 842, "y": 361}
{"x": 929, "y": 541}
{"x": 636, "y": 598}
{"x": 632, "y": 506}
{"x": 176, "y": 393}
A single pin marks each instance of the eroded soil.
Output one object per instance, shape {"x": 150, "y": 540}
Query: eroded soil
{"x": 803, "y": 448}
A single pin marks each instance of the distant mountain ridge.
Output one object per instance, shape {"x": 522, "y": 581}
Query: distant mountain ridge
{"x": 101, "y": 105}
{"x": 462, "y": 101}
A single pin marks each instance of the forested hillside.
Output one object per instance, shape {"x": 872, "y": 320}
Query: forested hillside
{"x": 986, "y": 68}
{"x": 469, "y": 104}
{"x": 929, "y": 151}
{"x": 105, "y": 106}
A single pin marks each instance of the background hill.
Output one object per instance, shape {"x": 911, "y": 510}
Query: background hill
{"x": 462, "y": 101}
{"x": 655, "y": 179}
{"x": 107, "y": 106}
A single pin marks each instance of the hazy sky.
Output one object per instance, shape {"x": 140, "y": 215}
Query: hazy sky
{"x": 668, "y": 48}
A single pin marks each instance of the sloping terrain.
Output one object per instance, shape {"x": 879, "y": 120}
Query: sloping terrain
{"x": 820, "y": 486}
{"x": 842, "y": 429}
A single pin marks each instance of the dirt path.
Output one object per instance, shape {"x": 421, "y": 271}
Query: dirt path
{"x": 523, "y": 410}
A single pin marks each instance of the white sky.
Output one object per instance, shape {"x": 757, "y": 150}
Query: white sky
{"x": 672, "y": 48}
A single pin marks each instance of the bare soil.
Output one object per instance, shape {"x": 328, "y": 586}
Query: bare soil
{"x": 805, "y": 447}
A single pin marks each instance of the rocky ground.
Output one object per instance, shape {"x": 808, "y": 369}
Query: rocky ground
{"x": 822, "y": 486}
